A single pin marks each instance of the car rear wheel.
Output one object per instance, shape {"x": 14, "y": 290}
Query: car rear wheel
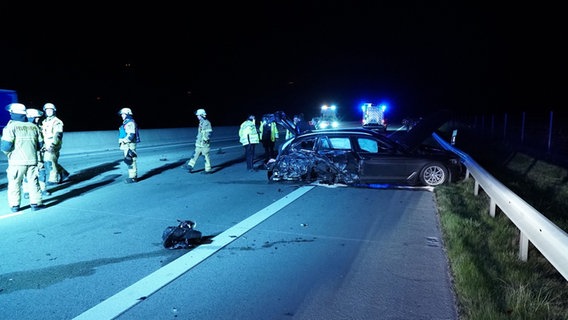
{"x": 434, "y": 174}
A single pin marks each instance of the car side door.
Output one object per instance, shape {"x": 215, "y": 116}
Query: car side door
{"x": 338, "y": 149}
{"x": 380, "y": 161}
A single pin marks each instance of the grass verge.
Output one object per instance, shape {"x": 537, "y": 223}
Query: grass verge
{"x": 489, "y": 279}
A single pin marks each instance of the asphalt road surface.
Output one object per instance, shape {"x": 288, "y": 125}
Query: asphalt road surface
{"x": 269, "y": 250}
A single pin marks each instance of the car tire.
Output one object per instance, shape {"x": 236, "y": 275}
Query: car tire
{"x": 434, "y": 174}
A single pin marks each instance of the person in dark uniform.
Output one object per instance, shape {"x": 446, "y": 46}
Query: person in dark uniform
{"x": 268, "y": 136}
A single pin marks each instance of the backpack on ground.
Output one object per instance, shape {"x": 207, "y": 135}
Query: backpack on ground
{"x": 182, "y": 236}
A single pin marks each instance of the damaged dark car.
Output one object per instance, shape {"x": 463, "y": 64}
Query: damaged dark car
{"x": 359, "y": 156}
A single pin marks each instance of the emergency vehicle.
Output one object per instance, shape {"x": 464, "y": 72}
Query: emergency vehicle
{"x": 6, "y": 97}
{"x": 328, "y": 118}
{"x": 374, "y": 116}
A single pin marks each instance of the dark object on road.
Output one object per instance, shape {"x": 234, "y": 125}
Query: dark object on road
{"x": 182, "y": 236}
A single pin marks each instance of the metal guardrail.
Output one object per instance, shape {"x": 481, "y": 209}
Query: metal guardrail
{"x": 548, "y": 238}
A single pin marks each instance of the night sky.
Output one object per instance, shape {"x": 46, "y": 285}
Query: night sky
{"x": 239, "y": 59}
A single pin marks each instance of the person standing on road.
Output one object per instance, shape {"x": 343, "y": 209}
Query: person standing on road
{"x": 249, "y": 138}
{"x": 21, "y": 142}
{"x": 202, "y": 142}
{"x": 268, "y": 136}
{"x": 128, "y": 138}
{"x": 52, "y": 129}
{"x": 34, "y": 116}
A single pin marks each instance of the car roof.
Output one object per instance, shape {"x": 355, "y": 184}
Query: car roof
{"x": 348, "y": 132}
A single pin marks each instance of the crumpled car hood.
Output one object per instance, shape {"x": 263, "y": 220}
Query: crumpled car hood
{"x": 309, "y": 166}
{"x": 422, "y": 131}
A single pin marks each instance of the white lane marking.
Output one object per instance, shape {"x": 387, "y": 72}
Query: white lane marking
{"x": 11, "y": 214}
{"x": 127, "y": 298}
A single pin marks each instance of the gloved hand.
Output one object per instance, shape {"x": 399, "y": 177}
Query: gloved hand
{"x": 123, "y": 140}
{"x": 206, "y": 141}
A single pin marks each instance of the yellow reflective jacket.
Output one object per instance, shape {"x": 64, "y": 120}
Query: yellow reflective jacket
{"x": 273, "y": 130}
{"x": 248, "y": 134}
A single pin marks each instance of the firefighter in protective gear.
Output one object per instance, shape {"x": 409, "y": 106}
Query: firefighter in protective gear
{"x": 202, "y": 142}
{"x": 128, "y": 138}
{"x": 21, "y": 141}
{"x": 34, "y": 116}
{"x": 126, "y": 111}
{"x": 52, "y": 129}
{"x": 268, "y": 136}
{"x": 249, "y": 138}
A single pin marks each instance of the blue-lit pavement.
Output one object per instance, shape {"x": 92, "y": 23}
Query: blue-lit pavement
{"x": 270, "y": 251}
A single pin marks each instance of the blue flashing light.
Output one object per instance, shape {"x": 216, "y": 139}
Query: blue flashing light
{"x": 364, "y": 106}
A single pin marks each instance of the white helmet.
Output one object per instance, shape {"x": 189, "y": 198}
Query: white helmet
{"x": 125, "y": 111}
{"x": 201, "y": 112}
{"x": 33, "y": 113}
{"x": 16, "y": 108}
{"x": 49, "y": 106}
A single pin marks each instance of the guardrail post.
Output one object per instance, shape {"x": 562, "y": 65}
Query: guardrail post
{"x": 492, "y": 207}
{"x": 476, "y": 188}
{"x": 523, "y": 247}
